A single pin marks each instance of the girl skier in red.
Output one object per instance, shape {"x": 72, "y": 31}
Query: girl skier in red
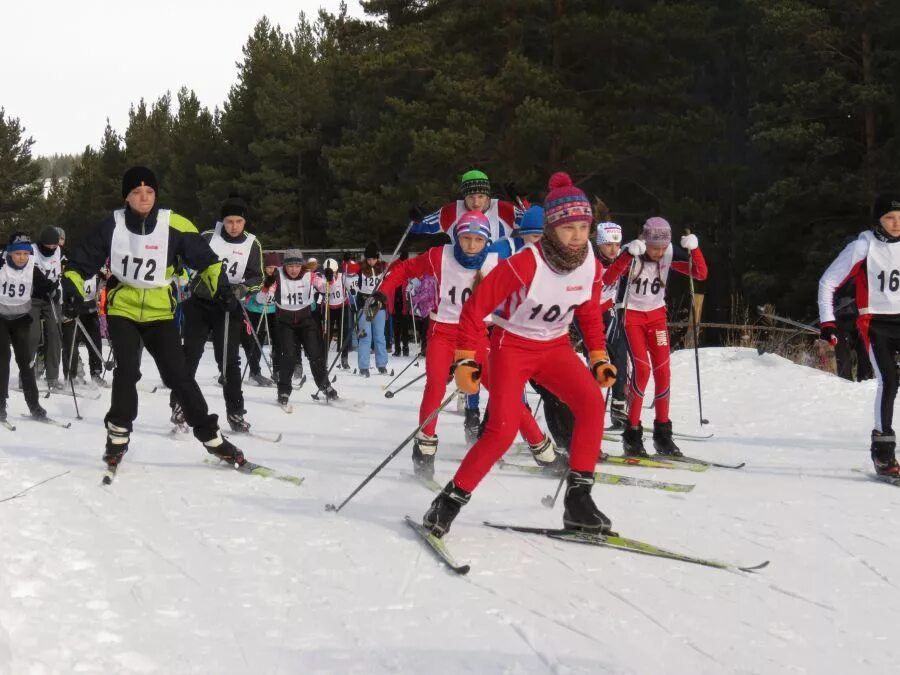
{"x": 458, "y": 269}
{"x": 541, "y": 288}
{"x": 654, "y": 257}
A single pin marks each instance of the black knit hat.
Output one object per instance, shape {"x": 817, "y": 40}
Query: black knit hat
{"x": 885, "y": 203}
{"x": 371, "y": 250}
{"x": 49, "y": 236}
{"x": 137, "y": 176}
{"x": 233, "y": 206}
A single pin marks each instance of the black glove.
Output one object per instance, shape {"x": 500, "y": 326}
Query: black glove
{"x": 374, "y": 304}
{"x": 329, "y": 275}
{"x": 417, "y": 213}
{"x": 71, "y": 307}
{"x": 269, "y": 281}
{"x": 226, "y": 297}
{"x": 240, "y": 291}
{"x": 512, "y": 193}
{"x": 828, "y": 332}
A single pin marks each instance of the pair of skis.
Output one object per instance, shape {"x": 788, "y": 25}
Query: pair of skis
{"x": 247, "y": 467}
{"x": 601, "y": 477}
{"x": 610, "y": 540}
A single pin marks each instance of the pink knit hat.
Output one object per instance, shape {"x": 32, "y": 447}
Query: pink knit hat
{"x": 657, "y": 232}
{"x": 565, "y": 203}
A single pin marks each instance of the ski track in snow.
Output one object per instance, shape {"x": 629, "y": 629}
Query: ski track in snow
{"x": 184, "y": 567}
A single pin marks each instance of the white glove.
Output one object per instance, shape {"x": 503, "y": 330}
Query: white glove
{"x": 689, "y": 242}
{"x": 636, "y": 248}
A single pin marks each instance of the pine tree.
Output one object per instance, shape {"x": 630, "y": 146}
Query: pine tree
{"x": 20, "y": 184}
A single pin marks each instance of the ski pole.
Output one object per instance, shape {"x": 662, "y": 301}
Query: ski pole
{"x": 696, "y": 336}
{"x": 88, "y": 339}
{"x": 405, "y": 368}
{"x": 256, "y": 339}
{"x": 225, "y": 347}
{"x": 790, "y": 322}
{"x": 549, "y": 501}
{"x": 71, "y": 383}
{"x": 391, "y": 394}
{"x": 394, "y": 453}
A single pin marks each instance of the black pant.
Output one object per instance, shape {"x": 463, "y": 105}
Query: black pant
{"x": 292, "y": 332}
{"x": 402, "y": 326}
{"x": 339, "y": 326}
{"x": 162, "y": 342}
{"x": 201, "y": 318}
{"x": 617, "y": 349}
{"x": 560, "y": 420}
{"x": 850, "y": 343}
{"x": 91, "y": 322}
{"x": 16, "y": 333}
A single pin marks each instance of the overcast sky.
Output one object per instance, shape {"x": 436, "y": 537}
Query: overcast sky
{"x": 65, "y": 66}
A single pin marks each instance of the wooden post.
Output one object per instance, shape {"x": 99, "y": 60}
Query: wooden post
{"x": 698, "y": 312}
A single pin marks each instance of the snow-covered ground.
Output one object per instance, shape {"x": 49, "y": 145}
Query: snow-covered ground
{"x": 181, "y": 567}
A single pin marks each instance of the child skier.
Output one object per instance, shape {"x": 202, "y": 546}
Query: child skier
{"x": 20, "y": 281}
{"x": 609, "y": 245}
{"x": 873, "y": 260}
{"x": 654, "y": 257}
{"x": 541, "y": 289}
{"x": 371, "y": 327}
{"x": 457, "y": 269}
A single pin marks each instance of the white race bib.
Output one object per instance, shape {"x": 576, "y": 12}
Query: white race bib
{"x": 647, "y": 290}
{"x": 296, "y": 294}
{"x": 234, "y": 255}
{"x": 883, "y": 275}
{"x": 336, "y": 293}
{"x": 51, "y": 266}
{"x": 368, "y": 284}
{"x": 15, "y": 285}
{"x": 140, "y": 260}
{"x": 455, "y": 290}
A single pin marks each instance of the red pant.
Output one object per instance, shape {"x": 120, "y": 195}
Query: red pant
{"x": 648, "y": 343}
{"x": 514, "y": 360}
{"x": 439, "y": 356}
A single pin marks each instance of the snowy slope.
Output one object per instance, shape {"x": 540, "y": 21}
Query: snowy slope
{"x": 181, "y": 567}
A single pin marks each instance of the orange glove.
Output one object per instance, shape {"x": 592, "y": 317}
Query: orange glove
{"x": 467, "y": 372}
{"x": 604, "y": 372}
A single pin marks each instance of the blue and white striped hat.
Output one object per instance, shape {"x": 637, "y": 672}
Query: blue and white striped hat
{"x": 473, "y": 222}
{"x": 609, "y": 233}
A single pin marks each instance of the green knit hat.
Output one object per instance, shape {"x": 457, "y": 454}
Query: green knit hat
{"x": 475, "y": 182}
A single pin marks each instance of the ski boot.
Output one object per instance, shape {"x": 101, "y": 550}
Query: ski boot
{"x": 284, "y": 399}
{"x": 444, "y": 509}
{"x": 405, "y": 350}
{"x": 472, "y": 425}
{"x": 98, "y": 380}
{"x": 662, "y": 440}
{"x": 633, "y": 442}
{"x": 580, "y": 511}
{"x": 363, "y": 372}
{"x": 382, "y": 370}
{"x": 424, "y": 450}
{"x": 55, "y": 385}
{"x": 237, "y": 423}
{"x": 221, "y": 380}
{"x": 37, "y": 411}
{"x": 261, "y": 380}
{"x": 618, "y": 414}
{"x": 883, "y": 446}
{"x": 116, "y": 444}
{"x": 330, "y": 393}
{"x": 345, "y": 362}
{"x": 548, "y": 458}
{"x": 221, "y": 447}
{"x": 177, "y": 416}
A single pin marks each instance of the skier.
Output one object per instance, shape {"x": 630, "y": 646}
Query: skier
{"x": 48, "y": 258}
{"x": 371, "y": 330}
{"x": 475, "y": 189}
{"x": 457, "y": 269}
{"x": 241, "y": 255}
{"x": 541, "y": 289}
{"x": 609, "y": 246}
{"x": 20, "y": 281}
{"x": 141, "y": 242}
{"x": 654, "y": 257}
{"x": 873, "y": 260}
{"x": 259, "y": 317}
{"x": 338, "y": 315}
{"x": 89, "y": 318}
{"x": 291, "y": 289}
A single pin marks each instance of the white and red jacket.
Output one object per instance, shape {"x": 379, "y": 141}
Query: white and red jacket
{"x": 537, "y": 303}
{"x": 501, "y": 214}
{"x": 647, "y": 287}
{"x": 875, "y": 264}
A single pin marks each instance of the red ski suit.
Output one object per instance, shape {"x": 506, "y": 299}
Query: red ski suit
{"x": 646, "y": 330}
{"x": 514, "y": 359}
{"x": 442, "y": 340}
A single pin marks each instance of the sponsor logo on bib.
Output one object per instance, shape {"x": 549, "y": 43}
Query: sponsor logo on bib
{"x": 574, "y": 288}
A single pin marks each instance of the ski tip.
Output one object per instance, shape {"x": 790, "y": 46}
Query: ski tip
{"x": 755, "y": 568}
{"x": 389, "y": 394}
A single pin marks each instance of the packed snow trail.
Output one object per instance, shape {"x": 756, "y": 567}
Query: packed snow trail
{"x": 183, "y": 567}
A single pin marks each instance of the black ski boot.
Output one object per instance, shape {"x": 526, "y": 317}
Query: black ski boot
{"x": 382, "y": 371}
{"x": 549, "y": 458}
{"x": 424, "y": 450}
{"x": 283, "y": 399}
{"x": 618, "y": 414}
{"x": 345, "y": 362}
{"x": 237, "y": 423}
{"x": 883, "y": 446}
{"x": 116, "y": 444}
{"x": 222, "y": 448}
{"x": 472, "y": 425}
{"x": 445, "y": 507}
{"x": 330, "y": 393}
{"x": 580, "y": 511}
{"x": 633, "y": 442}
{"x": 261, "y": 380}
{"x": 662, "y": 440}
{"x": 37, "y": 411}
{"x": 363, "y": 372}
